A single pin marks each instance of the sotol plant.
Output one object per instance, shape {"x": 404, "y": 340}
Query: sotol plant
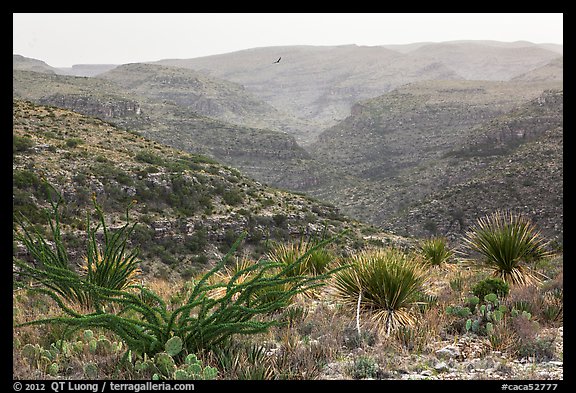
{"x": 435, "y": 251}
{"x": 383, "y": 283}
{"x": 315, "y": 262}
{"x": 507, "y": 242}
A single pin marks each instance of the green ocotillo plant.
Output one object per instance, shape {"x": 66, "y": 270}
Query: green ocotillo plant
{"x": 145, "y": 323}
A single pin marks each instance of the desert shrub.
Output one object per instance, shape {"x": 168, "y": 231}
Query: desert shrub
{"x": 149, "y": 157}
{"x": 21, "y": 144}
{"x": 23, "y": 179}
{"x": 490, "y": 285}
{"x": 364, "y": 367}
{"x": 73, "y": 142}
{"x": 24, "y": 204}
{"x": 542, "y": 348}
{"x": 197, "y": 241}
{"x": 232, "y": 197}
{"x": 530, "y": 342}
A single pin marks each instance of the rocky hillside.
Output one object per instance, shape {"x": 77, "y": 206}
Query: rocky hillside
{"x": 189, "y": 208}
{"x": 552, "y": 71}
{"x": 394, "y": 152}
{"x": 417, "y": 145}
{"x": 270, "y": 156}
{"x": 202, "y": 94}
{"x": 515, "y": 163}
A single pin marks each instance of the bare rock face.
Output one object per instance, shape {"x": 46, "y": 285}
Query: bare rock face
{"x": 98, "y": 107}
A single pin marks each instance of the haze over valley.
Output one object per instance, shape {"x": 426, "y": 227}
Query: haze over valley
{"x": 378, "y": 131}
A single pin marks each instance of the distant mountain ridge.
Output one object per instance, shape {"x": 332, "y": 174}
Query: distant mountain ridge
{"x": 321, "y": 83}
{"x": 27, "y": 64}
{"x": 270, "y": 156}
{"x": 85, "y": 69}
{"x": 394, "y": 158}
{"x": 315, "y": 86}
{"x": 205, "y": 95}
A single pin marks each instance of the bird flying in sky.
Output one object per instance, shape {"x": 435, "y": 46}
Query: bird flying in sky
{"x": 277, "y": 61}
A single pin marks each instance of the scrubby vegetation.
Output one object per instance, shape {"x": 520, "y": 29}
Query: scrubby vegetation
{"x": 250, "y": 322}
{"x": 136, "y": 261}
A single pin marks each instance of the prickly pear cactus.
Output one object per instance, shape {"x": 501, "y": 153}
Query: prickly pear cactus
{"x": 88, "y": 335}
{"x": 191, "y": 359}
{"x": 93, "y": 345}
{"x": 30, "y": 352}
{"x": 78, "y": 347}
{"x": 173, "y": 346}
{"x": 181, "y": 375}
{"x": 91, "y": 370}
{"x": 62, "y": 347}
{"x": 209, "y": 373}
{"x": 194, "y": 369}
{"x": 103, "y": 346}
{"x": 165, "y": 364}
{"x": 53, "y": 369}
{"x": 144, "y": 365}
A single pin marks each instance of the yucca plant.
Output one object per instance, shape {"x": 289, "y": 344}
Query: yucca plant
{"x": 111, "y": 265}
{"x": 507, "y": 242}
{"x": 435, "y": 251}
{"x": 383, "y": 283}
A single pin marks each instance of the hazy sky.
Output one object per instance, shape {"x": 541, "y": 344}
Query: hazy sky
{"x": 64, "y": 39}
